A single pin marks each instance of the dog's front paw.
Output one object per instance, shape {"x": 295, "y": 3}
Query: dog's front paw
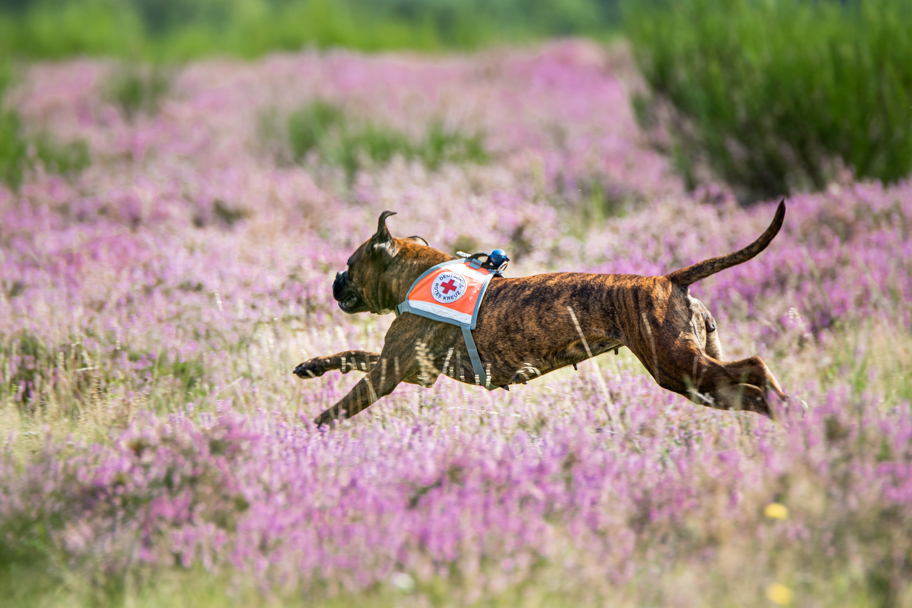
{"x": 312, "y": 368}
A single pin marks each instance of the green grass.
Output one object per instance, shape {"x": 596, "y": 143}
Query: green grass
{"x": 31, "y": 584}
{"x": 178, "y": 30}
{"x": 60, "y": 158}
{"x": 778, "y": 96}
{"x": 67, "y": 386}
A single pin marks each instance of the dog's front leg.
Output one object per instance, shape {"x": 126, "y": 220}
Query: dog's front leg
{"x": 346, "y": 361}
{"x": 379, "y": 382}
{"x": 404, "y": 359}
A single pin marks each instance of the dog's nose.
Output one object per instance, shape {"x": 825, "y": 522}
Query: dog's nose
{"x": 339, "y": 284}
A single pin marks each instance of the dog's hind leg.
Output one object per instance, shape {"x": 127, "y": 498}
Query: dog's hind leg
{"x": 346, "y": 361}
{"x": 727, "y": 384}
{"x": 754, "y": 371}
{"x": 734, "y": 384}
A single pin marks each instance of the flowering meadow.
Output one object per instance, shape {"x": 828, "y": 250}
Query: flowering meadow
{"x": 156, "y": 449}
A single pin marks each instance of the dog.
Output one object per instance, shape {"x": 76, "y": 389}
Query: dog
{"x": 530, "y": 326}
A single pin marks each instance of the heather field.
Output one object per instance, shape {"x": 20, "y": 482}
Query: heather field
{"x": 157, "y": 450}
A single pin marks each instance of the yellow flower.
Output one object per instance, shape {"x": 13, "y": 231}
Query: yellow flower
{"x": 776, "y": 511}
{"x": 779, "y": 594}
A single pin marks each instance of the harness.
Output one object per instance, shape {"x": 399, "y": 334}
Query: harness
{"x": 451, "y": 292}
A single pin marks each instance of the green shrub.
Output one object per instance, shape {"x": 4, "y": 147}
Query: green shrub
{"x": 138, "y": 89}
{"x": 776, "y": 95}
{"x": 311, "y": 126}
{"x": 344, "y": 141}
{"x": 13, "y": 149}
{"x": 60, "y": 158}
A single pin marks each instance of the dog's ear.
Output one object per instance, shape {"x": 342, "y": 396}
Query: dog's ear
{"x": 383, "y": 240}
{"x": 418, "y": 240}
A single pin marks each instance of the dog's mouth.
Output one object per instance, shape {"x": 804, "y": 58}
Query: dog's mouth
{"x": 345, "y": 293}
{"x": 349, "y": 303}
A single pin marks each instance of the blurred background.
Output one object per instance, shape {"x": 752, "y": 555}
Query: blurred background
{"x": 770, "y": 97}
{"x": 177, "y": 29}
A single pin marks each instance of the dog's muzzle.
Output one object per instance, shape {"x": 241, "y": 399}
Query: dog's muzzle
{"x": 344, "y": 292}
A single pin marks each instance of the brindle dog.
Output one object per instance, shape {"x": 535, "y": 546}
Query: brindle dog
{"x": 530, "y": 326}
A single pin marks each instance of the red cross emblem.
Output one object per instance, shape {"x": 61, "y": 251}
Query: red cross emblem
{"x": 448, "y": 286}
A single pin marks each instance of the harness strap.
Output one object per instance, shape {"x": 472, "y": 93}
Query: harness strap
{"x": 480, "y": 376}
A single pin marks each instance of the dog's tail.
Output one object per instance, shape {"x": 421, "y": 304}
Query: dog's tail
{"x": 701, "y": 270}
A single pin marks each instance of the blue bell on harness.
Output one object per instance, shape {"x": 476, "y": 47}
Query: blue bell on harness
{"x": 498, "y": 257}
{"x": 497, "y": 260}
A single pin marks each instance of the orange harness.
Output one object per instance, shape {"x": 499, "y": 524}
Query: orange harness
{"x": 451, "y": 293}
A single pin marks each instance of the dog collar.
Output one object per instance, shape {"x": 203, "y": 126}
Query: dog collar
{"x": 451, "y": 293}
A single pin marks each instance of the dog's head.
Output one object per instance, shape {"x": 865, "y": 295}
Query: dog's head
{"x": 363, "y": 286}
